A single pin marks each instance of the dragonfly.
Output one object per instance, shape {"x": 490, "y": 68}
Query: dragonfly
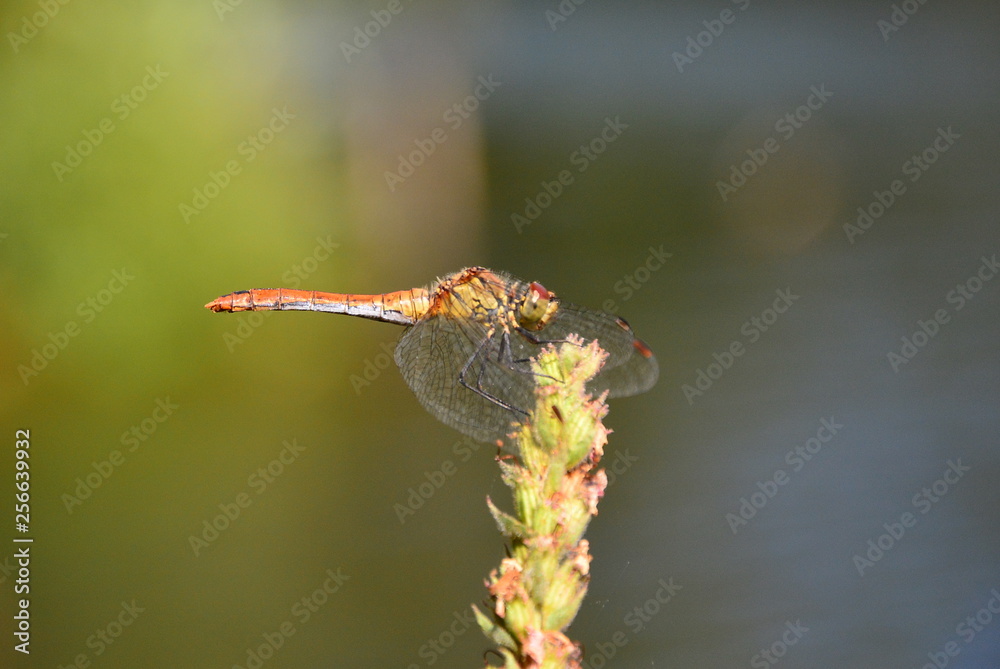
{"x": 469, "y": 340}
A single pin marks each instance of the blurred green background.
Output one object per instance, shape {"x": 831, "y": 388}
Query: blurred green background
{"x": 156, "y": 155}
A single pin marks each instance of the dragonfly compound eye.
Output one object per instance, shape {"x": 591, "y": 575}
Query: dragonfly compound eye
{"x": 536, "y": 307}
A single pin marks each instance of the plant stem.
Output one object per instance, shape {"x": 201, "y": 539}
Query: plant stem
{"x": 537, "y": 591}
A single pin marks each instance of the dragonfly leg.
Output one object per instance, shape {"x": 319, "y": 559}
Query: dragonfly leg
{"x": 505, "y": 356}
{"x": 534, "y": 339}
{"x": 478, "y": 387}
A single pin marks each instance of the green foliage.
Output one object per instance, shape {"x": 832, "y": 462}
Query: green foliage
{"x": 538, "y": 590}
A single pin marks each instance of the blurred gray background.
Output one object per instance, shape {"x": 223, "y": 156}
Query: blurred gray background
{"x": 249, "y": 146}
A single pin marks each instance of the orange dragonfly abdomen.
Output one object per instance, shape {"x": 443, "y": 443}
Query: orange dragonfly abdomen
{"x": 402, "y": 307}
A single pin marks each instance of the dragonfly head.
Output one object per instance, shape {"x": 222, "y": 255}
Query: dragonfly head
{"x": 537, "y": 308}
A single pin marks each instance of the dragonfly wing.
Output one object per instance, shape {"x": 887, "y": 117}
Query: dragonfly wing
{"x": 631, "y": 367}
{"x": 437, "y": 353}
